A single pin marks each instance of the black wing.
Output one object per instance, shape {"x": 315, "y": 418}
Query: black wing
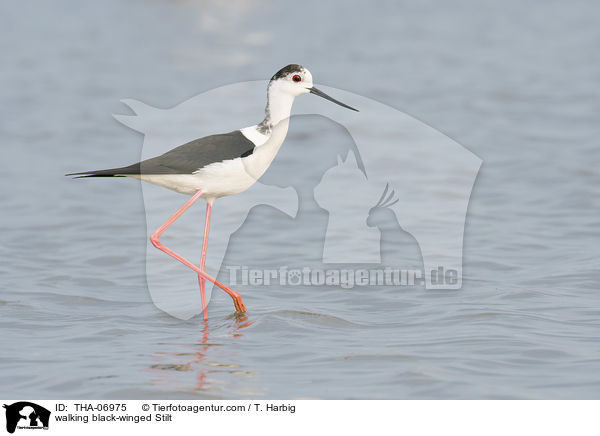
{"x": 186, "y": 158}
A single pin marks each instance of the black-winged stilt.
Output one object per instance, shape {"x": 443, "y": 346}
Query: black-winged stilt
{"x": 220, "y": 165}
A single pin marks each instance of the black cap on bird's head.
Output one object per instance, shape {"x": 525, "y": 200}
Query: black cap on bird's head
{"x": 288, "y": 70}
{"x": 298, "y": 80}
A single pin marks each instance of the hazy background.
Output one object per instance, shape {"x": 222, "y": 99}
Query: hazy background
{"x": 514, "y": 82}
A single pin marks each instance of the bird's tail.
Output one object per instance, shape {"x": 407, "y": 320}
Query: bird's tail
{"x": 112, "y": 172}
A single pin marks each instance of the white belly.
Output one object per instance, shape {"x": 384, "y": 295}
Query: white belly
{"x": 216, "y": 180}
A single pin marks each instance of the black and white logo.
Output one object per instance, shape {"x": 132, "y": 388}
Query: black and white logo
{"x": 26, "y": 415}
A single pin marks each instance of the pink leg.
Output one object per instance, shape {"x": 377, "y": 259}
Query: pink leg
{"x": 201, "y": 281}
{"x": 155, "y": 239}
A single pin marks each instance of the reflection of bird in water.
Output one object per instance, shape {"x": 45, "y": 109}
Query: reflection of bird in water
{"x": 220, "y": 165}
{"x": 397, "y": 245}
{"x": 200, "y": 352}
{"x": 241, "y": 322}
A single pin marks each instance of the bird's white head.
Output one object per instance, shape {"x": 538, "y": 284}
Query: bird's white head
{"x": 285, "y": 85}
{"x": 293, "y": 80}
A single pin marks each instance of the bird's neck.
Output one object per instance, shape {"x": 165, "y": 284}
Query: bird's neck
{"x": 279, "y": 107}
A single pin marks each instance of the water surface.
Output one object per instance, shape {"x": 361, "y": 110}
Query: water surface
{"x": 514, "y": 83}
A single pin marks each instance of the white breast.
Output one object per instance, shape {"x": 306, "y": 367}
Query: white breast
{"x": 254, "y": 135}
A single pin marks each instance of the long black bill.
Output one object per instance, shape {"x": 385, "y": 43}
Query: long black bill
{"x": 320, "y": 93}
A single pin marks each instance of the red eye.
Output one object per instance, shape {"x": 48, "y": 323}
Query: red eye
{"x": 296, "y": 78}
